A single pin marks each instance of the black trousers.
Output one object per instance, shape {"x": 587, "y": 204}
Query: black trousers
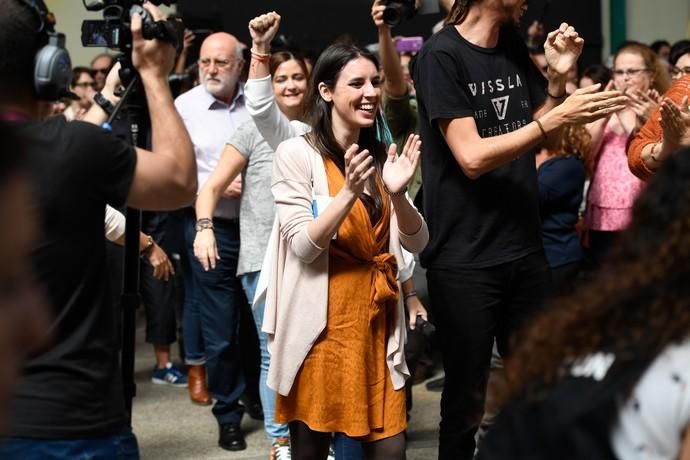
{"x": 472, "y": 307}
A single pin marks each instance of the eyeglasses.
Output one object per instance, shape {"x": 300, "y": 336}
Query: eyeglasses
{"x": 104, "y": 70}
{"x": 632, "y": 73}
{"x": 678, "y": 72}
{"x": 220, "y": 63}
{"x": 86, "y": 84}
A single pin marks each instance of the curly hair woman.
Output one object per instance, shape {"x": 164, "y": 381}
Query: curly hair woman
{"x": 634, "y": 314}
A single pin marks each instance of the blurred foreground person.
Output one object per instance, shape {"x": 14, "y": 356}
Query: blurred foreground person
{"x": 23, "y": 319}
{"x": 69, "y": 401}
{"x": 612, "y": 379}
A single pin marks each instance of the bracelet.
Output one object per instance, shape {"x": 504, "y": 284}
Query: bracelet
{"x": 557, "y": 97}
{"x": 149, "y": 245}
{"x": 260, "y": 56}
{"x": 541, "y": 128}
{"x": 203, "y": 224}
{"x": 398, "y": 193}
{"x": 407, "y": 295}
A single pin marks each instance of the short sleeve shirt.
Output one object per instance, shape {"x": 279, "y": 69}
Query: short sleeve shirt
{"x": 72, "y": 389}
{"x": 495, "y": 218}
{"x": 257, "y": 208}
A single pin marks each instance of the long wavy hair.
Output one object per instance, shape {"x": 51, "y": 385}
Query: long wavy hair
{"x": 638, "y": 303}
{"x": 318, "y": 114}
{"x": 458, "y": 12}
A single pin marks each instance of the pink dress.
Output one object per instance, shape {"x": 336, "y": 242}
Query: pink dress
{"x": 614, "y": 188}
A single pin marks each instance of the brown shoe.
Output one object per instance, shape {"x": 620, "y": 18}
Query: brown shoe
{"x": 196, "y": 382}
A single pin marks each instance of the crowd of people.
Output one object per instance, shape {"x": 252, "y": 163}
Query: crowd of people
{"x": 300, "y": 207}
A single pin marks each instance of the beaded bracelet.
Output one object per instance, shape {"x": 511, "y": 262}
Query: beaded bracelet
{"x": 398, "y": 193}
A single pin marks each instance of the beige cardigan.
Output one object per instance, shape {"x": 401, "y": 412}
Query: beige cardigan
{"x": 297, "y": 297}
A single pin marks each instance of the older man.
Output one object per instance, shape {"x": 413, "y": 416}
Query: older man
{"x": 213, "y": 299}
{"x": 100, "y": 66}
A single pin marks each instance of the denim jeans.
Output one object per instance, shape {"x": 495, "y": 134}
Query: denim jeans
{"x": 471, "y": 307}
{"x": 121, "y": 446}
{"x": 268, "y": 396}
{"x": 347, "y": 448}
{"x": 211, "y": 319}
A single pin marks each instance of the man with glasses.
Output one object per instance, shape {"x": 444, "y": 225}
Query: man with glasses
{"x": 212, "y": 112}
{"x": 100, "y": 66}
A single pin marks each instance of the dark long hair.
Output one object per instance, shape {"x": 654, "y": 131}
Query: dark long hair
{"x": 637, "y": 304}
{"x": 458, "y": 12}
{"x": 318, "y": 115}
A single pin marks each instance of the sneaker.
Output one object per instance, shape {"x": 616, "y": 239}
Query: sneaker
{"x": 331, "y": 452}
{"x": 169, "y": 375}
{"x": 280, "y": 449}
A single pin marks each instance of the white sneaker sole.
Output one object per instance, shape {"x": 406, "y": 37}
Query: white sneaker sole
{"x": 165, "y": 382}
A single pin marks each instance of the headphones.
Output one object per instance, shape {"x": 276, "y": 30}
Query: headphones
{"x": 52, "y": 64}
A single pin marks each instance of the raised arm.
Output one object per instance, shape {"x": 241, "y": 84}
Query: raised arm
{"x": 397, "y": 174}
{"x": 167, "y": 179}
{"x": 395, "y": 84}
{"x": 477, "y": 155}
{"x": 273, "y": 125}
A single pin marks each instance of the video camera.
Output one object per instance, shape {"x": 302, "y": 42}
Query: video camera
{"x": 114, "y": 30}
{"x": 399, "y": 10}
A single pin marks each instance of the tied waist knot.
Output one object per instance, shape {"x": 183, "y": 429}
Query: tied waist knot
{"x": 385, "y": 279}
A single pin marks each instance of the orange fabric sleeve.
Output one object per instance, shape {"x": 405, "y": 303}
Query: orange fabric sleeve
{"x": 651, "y": 132}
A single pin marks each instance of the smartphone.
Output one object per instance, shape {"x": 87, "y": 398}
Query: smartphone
{"x": 409, "y": 44}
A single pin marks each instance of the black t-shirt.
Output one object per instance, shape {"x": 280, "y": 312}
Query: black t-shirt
{"x": 73, "y": 388}
{"x": 493, "y": 219}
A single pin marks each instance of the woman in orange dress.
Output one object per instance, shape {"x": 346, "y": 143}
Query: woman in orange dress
{"x": 334, "y": 316}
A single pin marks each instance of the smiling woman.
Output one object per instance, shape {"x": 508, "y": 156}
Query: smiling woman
{"x": 334, "y": 316}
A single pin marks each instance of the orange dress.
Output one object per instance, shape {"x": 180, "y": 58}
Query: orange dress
{"x": 344, "y": 384}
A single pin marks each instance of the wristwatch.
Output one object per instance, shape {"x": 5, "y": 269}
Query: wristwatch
{"x": 104, "y": 103}
{"x": 149, "y": 245}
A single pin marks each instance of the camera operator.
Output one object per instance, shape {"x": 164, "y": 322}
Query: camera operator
{"x": 69, "y": 402}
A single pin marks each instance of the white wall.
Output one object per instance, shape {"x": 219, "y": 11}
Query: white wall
{"x": 650, "y": 20}
{"x": 69, "y": 14}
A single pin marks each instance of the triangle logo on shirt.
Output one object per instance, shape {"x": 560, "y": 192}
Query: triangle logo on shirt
{"x": 500, "y": 106}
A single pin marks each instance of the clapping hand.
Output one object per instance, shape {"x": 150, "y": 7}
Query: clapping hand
{"x": 398, "y": 170}
{"x": 643, "y": 103}
{"x": 562, "y": 49}
{"x": 358, "y": 168}
{"x": 675, "y": 122}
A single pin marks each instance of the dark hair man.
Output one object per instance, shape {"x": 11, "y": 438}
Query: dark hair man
{"x": 483, "y": 107}
{"x": 69, "y": 400}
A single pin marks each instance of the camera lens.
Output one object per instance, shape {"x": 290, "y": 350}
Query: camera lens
{"x": 392, "y": 15}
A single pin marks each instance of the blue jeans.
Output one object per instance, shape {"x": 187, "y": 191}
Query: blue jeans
{"x": 268, "y": 396}
{"x": 347, "y": 448}
{"x": 211, "y": 318}
{"x": 121, "y": 446}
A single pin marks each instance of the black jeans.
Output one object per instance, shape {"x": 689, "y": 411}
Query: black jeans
{"x": 472, "y": 307}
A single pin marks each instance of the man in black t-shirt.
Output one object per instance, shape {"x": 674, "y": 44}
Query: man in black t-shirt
{"x": 483, "y": 107}
{"x": 69, "y": 401}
